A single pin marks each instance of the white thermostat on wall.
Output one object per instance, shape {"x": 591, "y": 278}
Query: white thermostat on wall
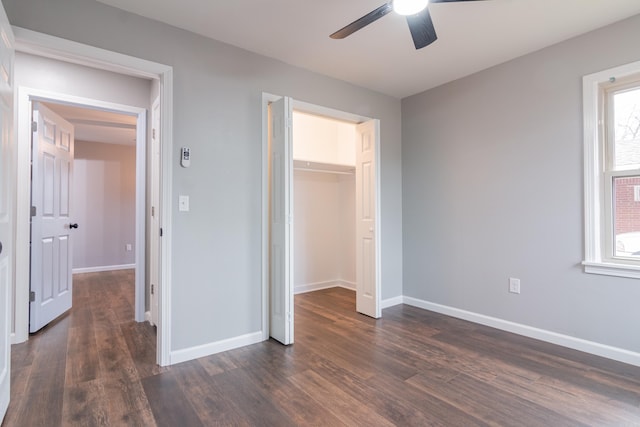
{"x": 185, "y": 157}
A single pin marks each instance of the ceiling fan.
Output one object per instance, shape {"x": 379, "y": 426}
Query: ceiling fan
{"x": 418, "y": 18}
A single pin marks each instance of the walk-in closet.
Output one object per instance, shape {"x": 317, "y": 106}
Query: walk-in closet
{"x": 324, "y": 202}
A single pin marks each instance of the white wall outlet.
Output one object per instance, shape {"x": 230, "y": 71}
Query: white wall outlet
{"x": 128, "y": 247}
{"x": 514, "y": 285}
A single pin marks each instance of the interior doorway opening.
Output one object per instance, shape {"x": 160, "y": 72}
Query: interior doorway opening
{"x": 98, "y": 224}
{"x": 161, "y": 76}
{"x": 279, "y": 200}
{"x": 68, "y": 104}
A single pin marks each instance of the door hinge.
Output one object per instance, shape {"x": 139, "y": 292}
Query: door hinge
{"x": 34, "y": 126}
{"x": 152, "y": 289}
{"x": 160, "y": 231}
{"x": 153, "y": 211}
{"x": 153, "y": 133}
{"x": 289, "y": 317}
{"x": 32, "y": 296}
{"x": 33, "y": 211}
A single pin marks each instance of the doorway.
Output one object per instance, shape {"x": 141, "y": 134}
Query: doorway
{"x": 46, "y": 46}
{"x": 26, "y": 99}
{"x": 97, "y": 227}
{"x": 278, "y": 215}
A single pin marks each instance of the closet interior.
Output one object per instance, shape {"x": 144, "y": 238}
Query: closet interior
{"x": 324, "y": 202}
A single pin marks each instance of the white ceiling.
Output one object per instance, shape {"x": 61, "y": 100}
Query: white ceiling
{"x": 98, "y": 126}
{"x": 472, "y": 35}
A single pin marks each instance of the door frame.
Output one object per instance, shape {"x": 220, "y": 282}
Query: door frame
{"x": 154, "y": 204}
{"x": 311, "y": 108}
{"x": 44, "y": 45}
{"x": 26, "y": 97}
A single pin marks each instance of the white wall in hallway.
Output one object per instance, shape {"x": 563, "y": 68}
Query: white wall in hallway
{"x": 104, "y": 191}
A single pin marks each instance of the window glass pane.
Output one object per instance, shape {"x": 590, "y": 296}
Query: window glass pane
{"x": 626, "y": 207}
{"x": 627, "y": 129}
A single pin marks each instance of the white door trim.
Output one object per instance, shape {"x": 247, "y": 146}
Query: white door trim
{"x": 307, "y": 107}
{"x": 53, "y": 47}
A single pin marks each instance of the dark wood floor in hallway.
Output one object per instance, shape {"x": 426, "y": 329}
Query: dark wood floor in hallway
{"x": 95, "y": 366}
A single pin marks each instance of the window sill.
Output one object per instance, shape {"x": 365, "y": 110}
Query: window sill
{"x": 611, "y": 269}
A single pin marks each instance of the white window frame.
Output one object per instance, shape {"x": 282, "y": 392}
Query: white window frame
{"x": 597, "y": 195}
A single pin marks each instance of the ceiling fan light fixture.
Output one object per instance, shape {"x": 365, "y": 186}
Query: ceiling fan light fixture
{"x": 409, "y": 7}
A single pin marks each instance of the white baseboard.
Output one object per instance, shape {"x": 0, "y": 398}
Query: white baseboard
{"x": 591, "y": 347}
{"x": 310, "y": 287}
{"x": 204, "y": 350}
{"x": 103, "y": 268}
{"x": 346, "y": 285}
{"x": 390, "y": 302}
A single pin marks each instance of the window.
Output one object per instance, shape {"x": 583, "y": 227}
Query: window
{"x": 612, "y": 171}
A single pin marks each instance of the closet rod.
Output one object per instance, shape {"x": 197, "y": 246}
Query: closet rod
{"x": 323, "y": 171}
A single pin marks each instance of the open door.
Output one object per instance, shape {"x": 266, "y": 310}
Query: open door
{"x": 51, "y": 226}
{"x": 367, "y": 260}
{"x": 281, "y": 219}
{"x": 7, "y": 181}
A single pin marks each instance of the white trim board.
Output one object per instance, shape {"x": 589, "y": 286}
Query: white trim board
{"x": 615, "y": 353}
{"x": 390, "y": 302}
{"x": 54, "y": 47}
{"x": 205, "y": 350}
{"x": 102, "y": 268}
{"x": 310, "y": 287}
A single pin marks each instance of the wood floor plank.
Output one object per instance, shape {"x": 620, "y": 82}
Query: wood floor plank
{"x": 491, "y": 404}
{"x": 82, "y": 355}
{"x": 218, "y": 363}
{"x": 291, "y": 399}
{"x": 568, "y": 401}
{"x": 253, "y": 401}
{"x": 128, "y": 403}
{"x": 211, "y": 403}
{"x": 435, "y": 411}
{"x": 43, "y": 396}
{"x": 168, "y": 402}
{"x": 336, "y": 401}
{"x": 140, "y": 339}
{"x": 114, "y": 356}
{"x": 85, "y": 404}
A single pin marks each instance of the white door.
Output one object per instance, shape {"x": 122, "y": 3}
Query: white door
{"x": 367, "y": 259}
{"x": 281, "y": 218}
{"x": 51, "y": 220}
{"x": 7, "y": 182}
{"x": 154, "y": 240}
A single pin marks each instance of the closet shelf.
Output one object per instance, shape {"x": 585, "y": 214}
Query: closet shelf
{"x": 305, "y": 165}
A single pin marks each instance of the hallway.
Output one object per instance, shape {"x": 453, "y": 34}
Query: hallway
{"x": 86, "y": 367}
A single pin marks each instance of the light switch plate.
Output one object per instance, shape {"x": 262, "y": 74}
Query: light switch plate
{"x": 183, "y": 203}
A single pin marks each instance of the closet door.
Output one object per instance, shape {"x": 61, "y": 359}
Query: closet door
{"x": 367, "y": 252}
{"x": 281, "y": 240}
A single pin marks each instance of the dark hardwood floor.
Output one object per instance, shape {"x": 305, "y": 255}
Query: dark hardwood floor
{"x": 95, "y": 366}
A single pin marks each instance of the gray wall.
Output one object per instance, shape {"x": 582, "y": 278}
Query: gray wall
{"x": 104, "y": 204}
{"x": 217, "y": 112}
{"x": 493, "y": 188}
